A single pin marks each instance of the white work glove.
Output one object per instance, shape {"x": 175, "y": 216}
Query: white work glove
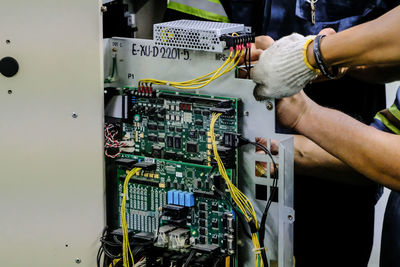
{"x": 281, "y": 70}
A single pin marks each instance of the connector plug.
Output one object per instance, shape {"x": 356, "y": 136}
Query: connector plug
{"x": 147, "y": 166}
{"x": 234, "y": 140}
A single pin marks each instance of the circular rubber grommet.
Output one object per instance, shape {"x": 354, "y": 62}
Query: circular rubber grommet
{"x": 9, "y": 67}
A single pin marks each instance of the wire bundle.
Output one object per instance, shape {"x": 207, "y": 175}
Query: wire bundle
{"x": 126, "y": 249}
{"x": 230, "y": 63}
{"x": 238, "y": 197}
{"x": 110, "y": 132}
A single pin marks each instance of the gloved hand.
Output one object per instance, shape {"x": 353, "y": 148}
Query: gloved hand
{"x": 281, "y": 70}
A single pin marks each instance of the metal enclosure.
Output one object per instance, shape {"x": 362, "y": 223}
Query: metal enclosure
{"x": 138, "y": 59}
{"x": 51, "y": 125}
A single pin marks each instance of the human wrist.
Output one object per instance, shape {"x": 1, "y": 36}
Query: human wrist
{"x": 305, "y": 119}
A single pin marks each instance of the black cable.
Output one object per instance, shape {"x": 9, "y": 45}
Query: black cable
{"x": 245, "y": 61}
{"x": 99, "y": 254}
{"x": 239, "y": 214}
{"x": 261, "y": 231}
{"x": 249, "y": 66}
{"x": 211, "y": 171}
{"x": 218, "y": 261}
{"x": 273, "y": 191}
{"x": 189, "y": 258}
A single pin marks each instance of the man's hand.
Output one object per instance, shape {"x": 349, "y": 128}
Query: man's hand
{"x": 281, "y": 70}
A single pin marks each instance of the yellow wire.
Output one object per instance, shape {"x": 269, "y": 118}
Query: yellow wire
{"x": 228, "y": 261}
{"x": 238, "y": 197}
{"x": 212, "y": 78}
{"x": 204, "y": 80}
{"x": 126, "y": 249}
{"x": 164, "y": 82}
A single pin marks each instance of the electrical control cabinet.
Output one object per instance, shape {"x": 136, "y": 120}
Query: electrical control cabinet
{"x": 164, "y": 146}
{"x": 183, "y": 205}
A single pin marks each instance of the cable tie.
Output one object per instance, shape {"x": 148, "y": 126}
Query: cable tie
{"x": 259, "y": 250}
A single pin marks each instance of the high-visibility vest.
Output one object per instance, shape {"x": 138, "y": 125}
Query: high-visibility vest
{"x": 388, "y": 120}
{"x": 206, "y": 9}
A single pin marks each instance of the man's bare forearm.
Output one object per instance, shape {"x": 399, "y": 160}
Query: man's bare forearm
{"x": 312, "y": 160}
{"x": 372, "y": 43}
{"x": 353, "y": 143}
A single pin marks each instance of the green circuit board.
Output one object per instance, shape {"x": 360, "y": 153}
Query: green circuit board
{"x": 174, "y": 125}
{"x": 148, "y": 191}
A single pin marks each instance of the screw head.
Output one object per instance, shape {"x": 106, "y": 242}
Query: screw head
{"x": 78, "y": 260}
{"x": 103, "y": 9}
{"x": 290, "y": 217}
{"x": 270, "y": 105}
{"x": 8, "y": 41}
{"x": 10, "y": 92}
{"x": 74, "y": 115}
{"x": 246, "y": 113}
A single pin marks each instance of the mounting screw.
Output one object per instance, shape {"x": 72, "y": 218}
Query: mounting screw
{"x": 115, "y": 49}
{"x": 9, "y": 92}
{"x": 8, "y": 41}
{"x": 290, "y": 217}
{"x": 74, "y": 115}
{"x": 269, "y": 105}
{"x": 78, "y": 260}
{"x": 103, "y": 9}
{"x": 246, "y": 113}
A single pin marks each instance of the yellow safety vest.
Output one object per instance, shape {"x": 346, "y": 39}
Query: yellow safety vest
{"x": 206, "y": 9}
{"x": 390, "y": 118}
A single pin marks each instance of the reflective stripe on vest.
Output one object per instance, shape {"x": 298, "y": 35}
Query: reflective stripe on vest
{"x": 390, "y": 118}
{"x": 206, "y": 9}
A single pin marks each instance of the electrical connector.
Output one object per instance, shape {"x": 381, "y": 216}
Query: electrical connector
{"x": 206, "y": 248}
{"x": 234, "y": 140}
{"x": 175, "y": 211}
{"x": 224, "y": 111}
{"x": 126, "y": 164}
{"x": 241, "y": 38}
{"x": 147, "y": 166}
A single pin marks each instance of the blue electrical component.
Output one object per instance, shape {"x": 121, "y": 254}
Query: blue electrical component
{"x": 189, "y": 199}
{"x": 182, "y": 198}
{"x": 176, "y": 197}
{"x": 171, "y": 197}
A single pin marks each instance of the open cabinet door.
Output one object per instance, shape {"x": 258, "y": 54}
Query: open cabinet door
{"x": 51, "y": 128}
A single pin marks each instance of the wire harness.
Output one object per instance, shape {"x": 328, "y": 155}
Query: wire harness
{"x": 235, "y": 55}
{"x": 240, "y": 199}
{"x": 126, "y": 249}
